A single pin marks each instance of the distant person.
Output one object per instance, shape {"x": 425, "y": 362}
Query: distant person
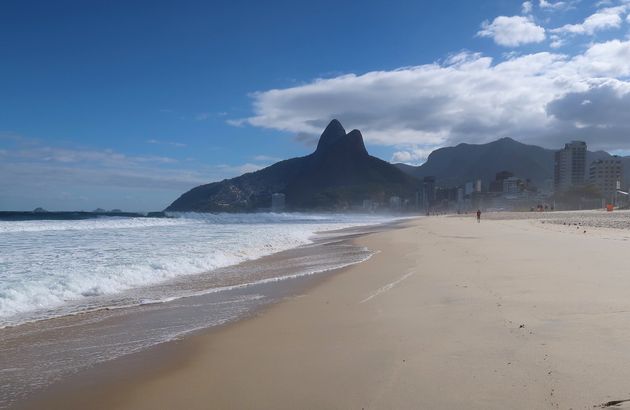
{"x": 478, "y": 215}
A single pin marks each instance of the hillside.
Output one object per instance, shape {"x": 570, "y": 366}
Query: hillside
{"x": 338, "y": 175}
{"x": 457, "y": 165}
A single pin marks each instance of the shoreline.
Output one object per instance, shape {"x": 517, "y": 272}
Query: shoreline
{"x": 100, "y": 331}
{"x": 449, "y": 314}
{"x": 173, "y": 282}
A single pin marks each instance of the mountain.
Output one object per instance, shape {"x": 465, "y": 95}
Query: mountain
{"x": 457, "y": 165}
{"x": 339, "y": 174}
{"x": 465, "y": 162}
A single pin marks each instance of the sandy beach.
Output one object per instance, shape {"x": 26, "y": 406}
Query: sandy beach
{"x": 449, "y": 314}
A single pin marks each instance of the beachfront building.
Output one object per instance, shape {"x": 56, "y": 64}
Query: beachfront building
{"x": 395, "y": 202}
{"x": 607, "y": 176}
{"x": 570, "y": 166}
{"x": 497, "y": 185}
{"x": 511, "y": 185}
{"x": 428, "y": 189}
{"x": 469, "y": 188}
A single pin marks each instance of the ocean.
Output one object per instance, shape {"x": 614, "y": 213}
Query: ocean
{"x": 97, "y": 289}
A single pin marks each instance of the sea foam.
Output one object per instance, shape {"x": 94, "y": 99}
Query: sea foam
{"x": 46, "y": 265}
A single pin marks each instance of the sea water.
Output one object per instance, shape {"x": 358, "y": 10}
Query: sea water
{"x": 55, "y": 268}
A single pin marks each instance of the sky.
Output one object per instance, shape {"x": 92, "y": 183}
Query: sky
{"x": 128, "y": 104}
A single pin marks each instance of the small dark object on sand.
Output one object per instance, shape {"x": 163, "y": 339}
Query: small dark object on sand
{"x": 521, "y": 326}
{"x": 613, "y": 403}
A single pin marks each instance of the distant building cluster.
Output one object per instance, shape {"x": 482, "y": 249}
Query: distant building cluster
{"x": 576, "y": 184}
{"x": 603, "y": 177}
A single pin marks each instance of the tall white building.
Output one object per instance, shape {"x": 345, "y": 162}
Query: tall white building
{"x": 607, "y": 176}
{"x": 570, "y": 166}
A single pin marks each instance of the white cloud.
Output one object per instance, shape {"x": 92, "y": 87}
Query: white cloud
{"x": 412, "y": 155}
{"x": 512, "y": 31}
{"x": 171, "y": 143}
{"x": 469, "y": 98}
{"x": 609, "y": 59}
{"x": 203, "y": 116}
{"x": 235, "y": 123}
{"x": 558, "y": 5}
{"x": 240, "y": 169}
{"x": 266, "y": 158}
{"x": 72, "y": 156}
{"x": 527, "y": 7}
{"x": 557, "y": 41}
{"x": 607, "y": 18}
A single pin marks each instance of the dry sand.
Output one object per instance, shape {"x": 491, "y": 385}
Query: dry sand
{"x": 451, "y": 314}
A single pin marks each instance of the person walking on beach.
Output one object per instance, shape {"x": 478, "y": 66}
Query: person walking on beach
{"x": 478, "y": 215}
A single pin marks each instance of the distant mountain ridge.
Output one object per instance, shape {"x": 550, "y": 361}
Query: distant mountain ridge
{"x": 338, "y": 175}
{"x": 453, "y": 166}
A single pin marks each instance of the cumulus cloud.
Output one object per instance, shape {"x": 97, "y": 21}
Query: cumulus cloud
{"x": 601, "y": 111}
{"x": 610, "y": 59}
{"x": 558, "y": 5}
{"x": 412, "y": 155}
{"x": 512, "y": 31}
{"x": 602, "y": 106}
{"x": 557, "y": 41}
{"x": 469, "y": 97}
{"x": 527, "y": 7}
{"x": 603, "y": 19}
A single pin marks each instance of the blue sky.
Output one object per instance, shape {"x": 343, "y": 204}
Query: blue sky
{"x": 128, "y": 104}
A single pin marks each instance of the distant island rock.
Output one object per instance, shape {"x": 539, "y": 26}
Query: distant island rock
{"x": 339, "y": 175}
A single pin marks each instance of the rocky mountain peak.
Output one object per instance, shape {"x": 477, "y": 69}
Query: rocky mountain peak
{"x": 335, "y": 138}
{"x": 333, "y": 133}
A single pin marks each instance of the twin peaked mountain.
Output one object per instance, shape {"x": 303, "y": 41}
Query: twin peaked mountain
{"x": 341, "y": 174}
{"x": 338, "y": 175}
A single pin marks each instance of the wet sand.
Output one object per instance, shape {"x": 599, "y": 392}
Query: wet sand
{"x": 449, "y": 314}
